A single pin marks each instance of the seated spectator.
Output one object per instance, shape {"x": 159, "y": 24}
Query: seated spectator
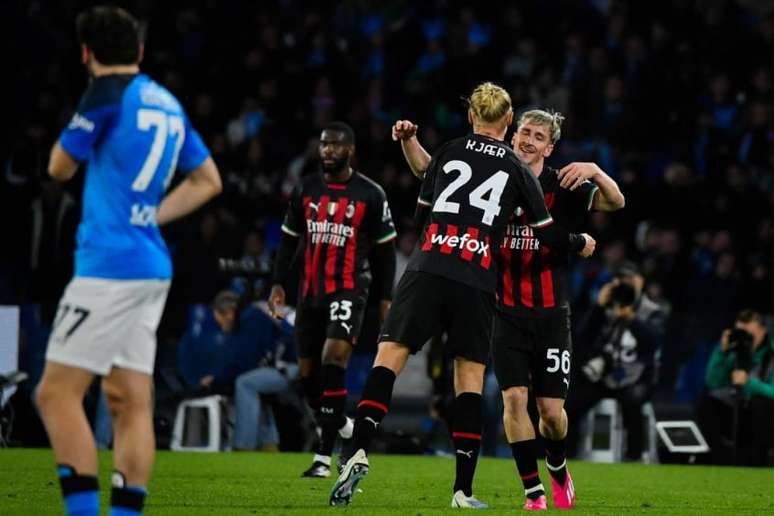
{"x": 736, "y": 415}
{"x": 623, "y": 333}
{"x": 203, "y": 353}
{"x": 265, "y": 365}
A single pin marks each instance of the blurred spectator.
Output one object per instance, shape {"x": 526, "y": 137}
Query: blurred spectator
{"x": 619, "y": 344}
{"x": 736, "y": 415}
{"x": 205, "y": 351}
{"x": 272, "y": 373}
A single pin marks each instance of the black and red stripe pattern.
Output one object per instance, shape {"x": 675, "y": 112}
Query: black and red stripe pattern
{"x": 450, "y": 239}
{"x": 527, "y": 270}
{"x": 532, "y": 276}
{"x": 340, "y": 223}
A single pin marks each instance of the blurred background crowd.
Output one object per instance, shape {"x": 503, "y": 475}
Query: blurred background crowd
{"x": 673, "y": 99}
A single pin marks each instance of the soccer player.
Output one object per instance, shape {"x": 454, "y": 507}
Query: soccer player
{"x": 133, "y": 134}
{"x": 471, "y": 186}
{"x": 348, "y": 232}
{"x": 531, "y": 340}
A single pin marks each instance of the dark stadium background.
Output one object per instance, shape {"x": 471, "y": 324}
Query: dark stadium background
{"x": 673, "y": 99}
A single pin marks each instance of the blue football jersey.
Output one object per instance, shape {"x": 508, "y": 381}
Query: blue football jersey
{"x": 133, "y": 134}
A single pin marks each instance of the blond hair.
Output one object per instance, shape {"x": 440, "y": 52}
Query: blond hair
{"x": 551, "y": 119}
{"x": 489, "y": 103}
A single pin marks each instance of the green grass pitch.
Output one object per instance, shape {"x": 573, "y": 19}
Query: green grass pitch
{"x": 266, "y": 483}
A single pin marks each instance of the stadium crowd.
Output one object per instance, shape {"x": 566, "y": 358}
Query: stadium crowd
{"x": 675, "y": 101}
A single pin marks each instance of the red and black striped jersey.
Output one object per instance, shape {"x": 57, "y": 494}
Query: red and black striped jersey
{"x": 533, "y": 277}
{"x": 472, "y": 186}
{"x": 340, "y": 223}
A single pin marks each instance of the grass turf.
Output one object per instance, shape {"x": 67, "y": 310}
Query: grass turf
{"x": 253, "y": 483}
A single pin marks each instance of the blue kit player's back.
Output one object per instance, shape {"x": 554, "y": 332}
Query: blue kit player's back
{"x": 134, "y": 134}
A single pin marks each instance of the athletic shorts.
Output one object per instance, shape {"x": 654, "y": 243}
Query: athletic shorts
{"x": 101, "y": 323}
{"x": 536, "y": 350}
{"x": 335, "y": 316}
{"x": 427, "y": 304}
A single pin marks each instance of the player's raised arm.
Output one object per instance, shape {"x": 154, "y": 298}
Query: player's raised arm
{"x": 202, "y": 184}
{"x": 416, "y": 155}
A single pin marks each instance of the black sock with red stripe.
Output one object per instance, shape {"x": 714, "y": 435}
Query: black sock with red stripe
{"x": 466, "y": 434}
{"x": 373, "y": 406}
{"x": 525, "y": 455}
{"x": 332, "y": 404}
{"x": 556, "y": 459}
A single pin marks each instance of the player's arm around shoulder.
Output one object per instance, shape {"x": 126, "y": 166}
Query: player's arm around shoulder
{"x": 200, "y": 185}
{"x": 605, "y": 193}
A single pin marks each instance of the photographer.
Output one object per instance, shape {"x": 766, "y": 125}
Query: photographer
{"x": 620, "y": 338}
{"x": 737, "y": 413}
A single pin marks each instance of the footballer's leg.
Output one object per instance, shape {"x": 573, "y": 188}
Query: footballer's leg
{"x": 331, "y": 418}
{"x": 470, "y": 330}
{"x": 551, "y": 381}
{"x": 130, "y": 401}
{"x": 466, "y": 430}
{"x": 373, "y": 406}
{"x": 59, "y": 398}
{"x": 521, "y": 438}
{"x": 553, "y": 429}
{"x": 511, "y": 351}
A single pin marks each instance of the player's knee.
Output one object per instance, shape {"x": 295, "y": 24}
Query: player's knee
{"x": 515, "y": 401}
{"x": 336, "y": 352}
{"x": 121, "y": 402}
{"x": 45, "y": 396}
{"x": 552, "y": 415}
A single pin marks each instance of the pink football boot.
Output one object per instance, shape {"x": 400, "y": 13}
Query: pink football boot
{"x": 564, "y": 496}
{"x": 536, "y": 505}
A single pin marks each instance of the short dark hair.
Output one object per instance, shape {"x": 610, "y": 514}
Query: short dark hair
{"x": 747, "y": 316}
{"x": 345, "y": 129}
{"x": 225, "y": 300}
{"x": 111, "y": 33}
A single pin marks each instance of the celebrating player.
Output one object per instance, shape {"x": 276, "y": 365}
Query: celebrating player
{"x": 471, "y": 187}
{"x": 133, "y": 134}
{"x": 532, "y": 340}
{"x": 346, "y": 223}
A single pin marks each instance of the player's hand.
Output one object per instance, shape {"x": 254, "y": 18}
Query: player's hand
{"x": 384, "y": 309}
{"x": 739, "y": 377}
{"x": 277, "y": 301}
{"x": 403, "y": 130}
{"x": 206, "y": 381}
{"x": 573, "y": 175}
{"x": 724, "y": 343}
{"x": 588, "y": 249}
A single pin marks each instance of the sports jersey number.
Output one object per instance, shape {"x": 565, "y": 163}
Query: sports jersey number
{"x": 165, "y": 125}
{"x": 79, "y": 313}
{"x": 493, "y": 186}
{"x": 344, "y": 310}
{"x": 552, "y": 354}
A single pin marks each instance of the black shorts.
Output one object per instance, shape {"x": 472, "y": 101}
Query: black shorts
{"x": 335, "y": 316}
{"x": 535, "y": 350}
{"x": 426, "y": 304}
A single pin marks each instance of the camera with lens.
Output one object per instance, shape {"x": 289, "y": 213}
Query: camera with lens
{"x": 622, "y": 295}
{"x": 741, "y": 343}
